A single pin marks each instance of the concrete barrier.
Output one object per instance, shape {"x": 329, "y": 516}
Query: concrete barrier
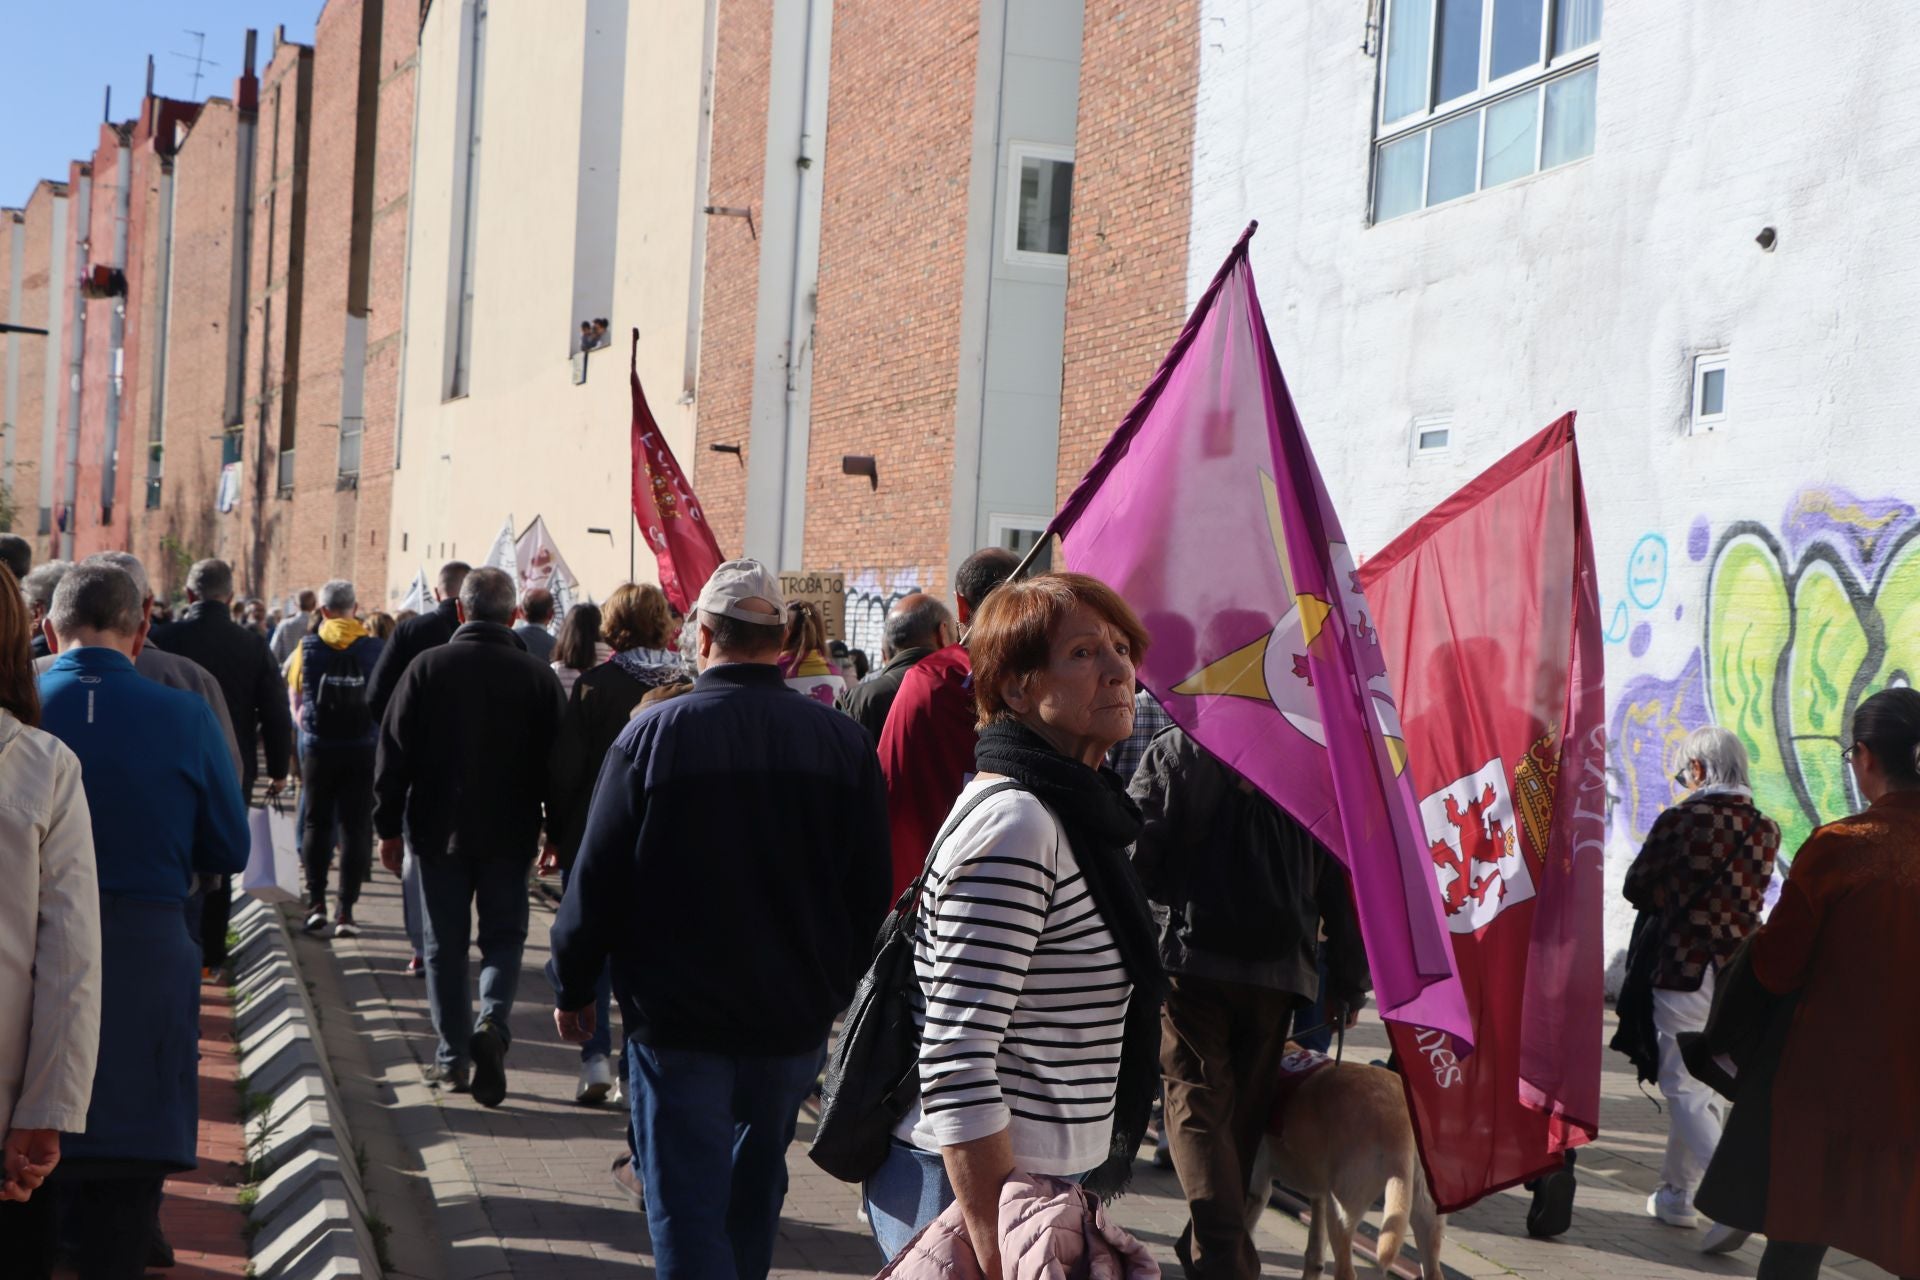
{"x": 306, "y": 1208}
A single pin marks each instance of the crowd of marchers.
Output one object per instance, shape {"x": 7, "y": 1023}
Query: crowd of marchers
{"x": 1114, "y": 944}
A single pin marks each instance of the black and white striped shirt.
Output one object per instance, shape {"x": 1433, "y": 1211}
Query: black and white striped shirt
{"x": 1022, "y": 994}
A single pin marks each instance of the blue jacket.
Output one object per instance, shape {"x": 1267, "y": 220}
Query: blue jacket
{"x": 165, "y": 804}
{"x": 159, "y": 779}
{"x": 734, "y": 866}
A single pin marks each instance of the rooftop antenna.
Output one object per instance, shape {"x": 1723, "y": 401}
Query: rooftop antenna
{"x": 198, "y": 58}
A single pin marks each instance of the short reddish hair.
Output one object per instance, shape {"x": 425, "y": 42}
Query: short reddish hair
{"x": 1012, "y": 635}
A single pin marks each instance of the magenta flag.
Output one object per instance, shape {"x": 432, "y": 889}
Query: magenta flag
{"x": 1206, "y": 512}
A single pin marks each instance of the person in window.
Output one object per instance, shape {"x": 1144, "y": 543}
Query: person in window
{"x": 1704, "y": 869}
{"x": 1032, "y": 930}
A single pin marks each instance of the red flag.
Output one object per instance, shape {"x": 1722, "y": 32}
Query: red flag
{"x": 670, "y": 517}
{"x": 1490, "y": 616}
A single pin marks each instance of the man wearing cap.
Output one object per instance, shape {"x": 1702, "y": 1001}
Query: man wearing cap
{"x": 734, "y": 867}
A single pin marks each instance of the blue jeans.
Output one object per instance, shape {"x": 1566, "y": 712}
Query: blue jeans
{"x": 909, "y": 1190}
{"x": 600, "y": 1044}
{"x": 450, "y": 889}
{"x": 713, "y": 1132}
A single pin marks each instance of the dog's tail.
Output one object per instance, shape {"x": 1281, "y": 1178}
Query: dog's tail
{"x": 1393, "y": 1227}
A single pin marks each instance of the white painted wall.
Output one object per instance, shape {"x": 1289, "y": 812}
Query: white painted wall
{"x": 526, "y": 440}
{"x": 1591, "y": 287}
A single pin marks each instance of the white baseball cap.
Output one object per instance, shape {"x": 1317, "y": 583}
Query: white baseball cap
{"x": 737, "y": 581}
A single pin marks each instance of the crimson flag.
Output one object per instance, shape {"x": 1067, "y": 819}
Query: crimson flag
{"x": 1489, "y": 613}
{"x": 670, "y": 517}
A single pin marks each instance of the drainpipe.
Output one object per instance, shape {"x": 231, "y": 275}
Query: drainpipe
{"x": 156, "y": 424}
{"x": 796, "y": 425}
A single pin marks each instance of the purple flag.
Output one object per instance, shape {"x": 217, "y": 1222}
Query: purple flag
{"x": 1207, "y": 513}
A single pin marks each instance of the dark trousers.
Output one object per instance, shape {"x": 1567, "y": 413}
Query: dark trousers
{"x": 216, "y": 913}
{"x": 452, "y": 889}
{"x": 713, "y": 1133}
{"x": 106, "y": 1224}
{"x": 339, "y": 792}
{"x": 1220, "y": 1050}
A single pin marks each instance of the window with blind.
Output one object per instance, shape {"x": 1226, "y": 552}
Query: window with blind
{"x": 1475, "y": 93}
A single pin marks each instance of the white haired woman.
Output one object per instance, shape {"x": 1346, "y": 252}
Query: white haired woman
{"x": 1704, "y": 870}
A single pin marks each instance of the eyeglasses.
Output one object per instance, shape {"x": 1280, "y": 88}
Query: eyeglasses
{"x": 1847, "y": 755}
{"x": 1682, "y": 778}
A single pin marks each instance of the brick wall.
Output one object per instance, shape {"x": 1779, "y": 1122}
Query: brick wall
{"x": 399, "y": 48}
{"x": 276, "y": 282}
{"x": 1132, "y": 201}
{"x": 892, "y": 256}
{"x": 97, "y": 361}
{"x": 186, "y": 526}
{"x": 724, "y": 390}
{"x": 324, "y": 535}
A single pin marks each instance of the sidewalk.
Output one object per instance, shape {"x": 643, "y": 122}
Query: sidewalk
{"x": 523, "y": 1191}
{"x": 201, "y": 1214}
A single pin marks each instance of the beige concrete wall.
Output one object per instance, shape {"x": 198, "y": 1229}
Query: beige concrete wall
{"x": 525, "y": 440}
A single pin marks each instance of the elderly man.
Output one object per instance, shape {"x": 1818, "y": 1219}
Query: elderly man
{"x": 411, "y": 639}
{"x": 734, "y": 866}
{"x": 157, "y": 665}
{"x": 926, "y": 749}
{"x": 463, "y": 761}
{"x": 916, "y": 626}
{"x": 256, "y": 699}
{"x": 165, "y": 806}
{"x": 329, "y": 675}
{"x": 536, "y": 613}
{"x": 38, "y": 587}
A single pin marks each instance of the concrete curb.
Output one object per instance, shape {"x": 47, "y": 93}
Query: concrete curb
{"x": 309, "y": 1215}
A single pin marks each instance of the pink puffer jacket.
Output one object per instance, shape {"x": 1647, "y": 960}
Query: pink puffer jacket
{"x": 1050, "y": 1229}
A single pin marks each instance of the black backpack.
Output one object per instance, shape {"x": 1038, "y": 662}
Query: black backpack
{"x": 874, "y": 1073}
{"x": 337, "y": 691}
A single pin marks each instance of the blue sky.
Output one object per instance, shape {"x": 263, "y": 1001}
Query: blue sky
{"x": 58, "y": 56}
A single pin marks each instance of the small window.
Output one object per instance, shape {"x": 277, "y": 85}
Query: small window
{"x": 1020, "y": 534}
{"x": 1040, "y": 203}
{"x": 1432, "y": 434}
{"x": 1709, "y": 391}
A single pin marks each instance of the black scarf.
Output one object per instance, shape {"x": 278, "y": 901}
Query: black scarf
{"x": 1101, "y": 823}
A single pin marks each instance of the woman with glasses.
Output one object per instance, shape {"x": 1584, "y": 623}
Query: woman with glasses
{"x": 1704, "y": 872}
{"x": 1843, "y": 1151}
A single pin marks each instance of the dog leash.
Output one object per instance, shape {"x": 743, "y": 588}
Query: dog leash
{"x": 1339, "y": 1034}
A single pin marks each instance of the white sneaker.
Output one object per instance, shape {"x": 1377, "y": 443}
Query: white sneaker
{"x": 596, "y": 1081}
{"x": 1673, "y": 1207}
{"x": 1721, "y": 1238}
{"x": 317, "y": 920}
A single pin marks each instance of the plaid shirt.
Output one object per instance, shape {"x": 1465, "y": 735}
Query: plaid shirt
{"x": 1148, "y": 719}
{"x": 1712, "y": 841}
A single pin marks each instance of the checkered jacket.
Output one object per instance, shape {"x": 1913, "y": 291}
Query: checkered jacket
{"x": 1718, "y": 842}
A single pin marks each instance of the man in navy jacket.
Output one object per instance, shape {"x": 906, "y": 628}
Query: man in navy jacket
{"x": 735, "y": 868}
{"x": 166, "y": 807}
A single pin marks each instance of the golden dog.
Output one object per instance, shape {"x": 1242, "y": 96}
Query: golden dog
{"x": 1345, "y": 1141}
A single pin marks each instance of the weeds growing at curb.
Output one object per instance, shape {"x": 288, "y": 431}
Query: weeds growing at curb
{"x": 380, "y": 1229}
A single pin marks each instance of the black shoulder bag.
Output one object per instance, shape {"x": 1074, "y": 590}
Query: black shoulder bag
{"x": 1636, "y": 1036}
{"x": 874, "y": 1073}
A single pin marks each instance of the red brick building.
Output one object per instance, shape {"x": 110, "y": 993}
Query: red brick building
{"x": 996, "y": 266}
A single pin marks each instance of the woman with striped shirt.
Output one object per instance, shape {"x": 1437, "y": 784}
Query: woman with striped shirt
{"x": 1039, "y": 974}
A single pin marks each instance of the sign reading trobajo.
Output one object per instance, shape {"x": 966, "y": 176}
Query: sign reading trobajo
{"x": 828, "y": 590}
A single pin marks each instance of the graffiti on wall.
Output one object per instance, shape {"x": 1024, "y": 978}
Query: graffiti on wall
{"x": 870, "y": 593}
{"x": 1799, "y": 621}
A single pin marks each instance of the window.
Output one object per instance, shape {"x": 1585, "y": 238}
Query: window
{"x": 1020, "y": 534}
{"x": 1040, "y": 204}
{"x": 1709, "y": 392}
{"x": 1431, "y": 434}
{"x": 1480, "y": 92}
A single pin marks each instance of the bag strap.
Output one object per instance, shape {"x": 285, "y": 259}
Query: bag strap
{"x": 910, "y": 897}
